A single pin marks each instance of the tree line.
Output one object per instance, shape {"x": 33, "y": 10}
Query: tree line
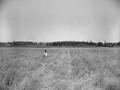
{"x": 59, "y": 44}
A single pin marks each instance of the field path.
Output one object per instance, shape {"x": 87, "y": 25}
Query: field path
{"x": 36, "y": 73}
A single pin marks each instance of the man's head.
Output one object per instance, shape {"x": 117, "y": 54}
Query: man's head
{"x": 45, "y": 51}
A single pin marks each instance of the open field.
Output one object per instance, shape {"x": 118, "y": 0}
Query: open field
{"x": 63, "y": 69}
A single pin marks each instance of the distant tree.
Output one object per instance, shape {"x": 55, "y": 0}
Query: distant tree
{"x": 99, "y": 44}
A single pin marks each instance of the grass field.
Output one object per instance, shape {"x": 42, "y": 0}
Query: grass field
{"x": 63, "y": 69}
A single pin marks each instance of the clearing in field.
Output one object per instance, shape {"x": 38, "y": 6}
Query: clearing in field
{"x": 62, "y": 69}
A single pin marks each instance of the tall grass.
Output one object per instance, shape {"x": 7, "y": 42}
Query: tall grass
{"x": 63, "y": 69}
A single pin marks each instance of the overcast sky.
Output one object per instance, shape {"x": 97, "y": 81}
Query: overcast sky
{"x": 54, "y": 20}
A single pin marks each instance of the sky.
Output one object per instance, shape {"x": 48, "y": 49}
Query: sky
{"x": 60, "y": 20}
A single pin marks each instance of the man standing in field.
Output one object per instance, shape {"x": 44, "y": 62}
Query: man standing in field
{"x": 45, "y": 53}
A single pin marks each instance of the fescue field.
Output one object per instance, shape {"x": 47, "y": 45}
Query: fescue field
{"x": 63, "y": 69}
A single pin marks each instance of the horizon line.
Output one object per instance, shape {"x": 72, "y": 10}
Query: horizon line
{"x": 61, "y": 41}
